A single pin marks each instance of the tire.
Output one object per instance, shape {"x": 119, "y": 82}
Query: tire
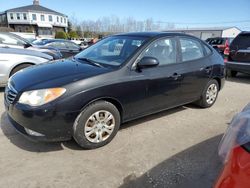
{"x": 91, "y": 132}
{"x": 207, "y": 100}
{"x": 230, "y": 73}
{"x": 18, "y": 68}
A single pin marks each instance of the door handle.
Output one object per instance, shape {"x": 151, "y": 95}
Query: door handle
{"x": 206, "y": 69}
{"x": 175, "y": 76}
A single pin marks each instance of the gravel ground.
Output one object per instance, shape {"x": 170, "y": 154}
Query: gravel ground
{"x": 175, "y": 148}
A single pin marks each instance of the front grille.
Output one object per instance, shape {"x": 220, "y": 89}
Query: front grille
{"x": 11, "y": 94}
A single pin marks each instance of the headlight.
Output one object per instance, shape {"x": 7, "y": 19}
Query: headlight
{"x": 40, "y": 97}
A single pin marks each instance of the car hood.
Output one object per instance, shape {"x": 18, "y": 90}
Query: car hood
{"x": 54, "y": 74}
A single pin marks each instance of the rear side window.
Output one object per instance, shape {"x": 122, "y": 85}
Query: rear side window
{"x": 208, "y": 50}
{"x": 191, "y": 49}
{"x": 242, "y": 41}
{"x": 59, "y": 45}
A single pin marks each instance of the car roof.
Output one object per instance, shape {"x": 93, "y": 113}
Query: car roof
{"x": 153, "y": 34}
{"x": 56, "y": 40}
{"x": 21, "y": 51}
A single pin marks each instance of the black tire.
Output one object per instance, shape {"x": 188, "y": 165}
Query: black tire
{"x": 202, "y": 102}
{"x": 18, "y": 68}
{"x": 79, "y": 125}
{"x": 231, "y": 73}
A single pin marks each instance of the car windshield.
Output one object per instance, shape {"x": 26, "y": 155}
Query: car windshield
{"x": 113, "y": 50}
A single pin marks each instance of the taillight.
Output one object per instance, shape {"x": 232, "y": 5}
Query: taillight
{"x": 226, "y": 51}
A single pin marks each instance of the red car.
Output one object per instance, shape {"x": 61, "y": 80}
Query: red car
{"x": 235, "y": 152}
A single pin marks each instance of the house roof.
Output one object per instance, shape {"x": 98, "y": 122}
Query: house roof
{"x": 203, "y": 29}
{"x": 35, "y": 8}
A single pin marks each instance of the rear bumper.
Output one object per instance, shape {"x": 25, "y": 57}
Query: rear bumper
{"x": 243, "y": 67}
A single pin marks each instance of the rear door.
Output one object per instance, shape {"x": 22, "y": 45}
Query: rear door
{"x": 240, "y": 48}
{"x": 196, "y": 68}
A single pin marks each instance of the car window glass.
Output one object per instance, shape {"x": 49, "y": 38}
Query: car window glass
{"x": 57, "y": 44}
{"x": 190, "y": 49}
{"x": 11, "y": 40}
{"x": 113, "y": 50}
{"x": 72, "y": 46}
{"x": 164, "y": 50}
{"x": 208, "y": 51}
{"x": 242, "y": 41}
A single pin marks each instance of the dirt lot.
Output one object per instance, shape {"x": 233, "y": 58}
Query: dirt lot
{"x": 176, "y": 148}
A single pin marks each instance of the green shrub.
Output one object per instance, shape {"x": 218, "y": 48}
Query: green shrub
{"x": 61, "y": 35}
{"x": 73, "y": 34}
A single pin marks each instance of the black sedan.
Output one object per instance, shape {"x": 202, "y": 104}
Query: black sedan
{"x": 120, "y": 78}
{"x": 66, "y": 47}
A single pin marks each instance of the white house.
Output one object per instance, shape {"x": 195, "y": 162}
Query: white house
{"x": 34, "y": 18}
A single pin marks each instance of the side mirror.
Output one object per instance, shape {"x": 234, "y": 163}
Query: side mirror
{"x": 27, "y": 45}
{"x": 147, "y": 62}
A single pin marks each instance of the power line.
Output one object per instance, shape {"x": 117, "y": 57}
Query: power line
{"x": 203, "y": 23}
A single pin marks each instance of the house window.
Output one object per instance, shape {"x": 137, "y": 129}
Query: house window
{"x": 24, "y": 16}
{"x": 42, "y": 18}
{"x": 18, "y": 16}
{"x": 11, "y": 16}
{"x": 64, "y": 20}
{"x": 57, "y": 18}
{"x": 61, "y": 20}
{"x": 33, "y": 16}
{"x": 50, "y": 18}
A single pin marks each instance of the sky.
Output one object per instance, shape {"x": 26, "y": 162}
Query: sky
{"x": 184, "y": 13}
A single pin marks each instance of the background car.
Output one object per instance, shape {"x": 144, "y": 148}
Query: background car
{"x": 221, "y": 44}
{"x": 14, "y": 59}
{"x": 238, "y": 59}
{"x": 10, "y": 40}
{"x": 66, "y": 47}
{"x": 234, "y": 149}
{"x": 120, "y": 78}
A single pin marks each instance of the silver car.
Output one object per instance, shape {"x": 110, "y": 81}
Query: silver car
{"x": 13, "y": 60}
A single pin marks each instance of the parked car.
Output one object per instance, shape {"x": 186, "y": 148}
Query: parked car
{"x": 221, "y": 44}
{"x": 10, "y": 40}
{"x": 66, "y": 47}
{"x": 238, "y": 59}
{"x": 235, "y": 151}
{"x": 14, "y": 59}
{"x": 120, "y": 78}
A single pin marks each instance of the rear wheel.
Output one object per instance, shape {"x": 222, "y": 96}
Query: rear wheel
{"x": 18, "y": 68}
{"x": 209, "y": 94}
{"x": 231, "y": 73}
{"x": 97, "y": 125}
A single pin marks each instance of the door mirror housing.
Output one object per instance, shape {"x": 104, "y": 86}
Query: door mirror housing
{"x": 147, "y": 62}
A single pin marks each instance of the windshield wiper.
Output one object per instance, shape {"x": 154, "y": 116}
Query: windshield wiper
{"x": 89, "y": 61}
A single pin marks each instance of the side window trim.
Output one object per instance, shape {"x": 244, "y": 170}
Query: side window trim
{"x": 180, "y": 50}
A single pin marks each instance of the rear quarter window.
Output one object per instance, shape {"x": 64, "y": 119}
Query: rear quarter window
{"x": 242, "y": 41}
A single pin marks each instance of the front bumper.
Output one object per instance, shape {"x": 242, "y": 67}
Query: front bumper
{"x": 243, "y": 67}
{"x": 51, "y": 121}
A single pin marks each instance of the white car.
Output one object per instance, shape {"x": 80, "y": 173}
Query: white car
{"x": 13, "y": 60}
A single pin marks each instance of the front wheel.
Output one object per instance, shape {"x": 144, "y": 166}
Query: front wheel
{"x": 209, "y": 94}
{"x": 97, "y": 125}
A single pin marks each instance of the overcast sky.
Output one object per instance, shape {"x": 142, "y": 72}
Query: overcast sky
{"x": 184, "y": 13}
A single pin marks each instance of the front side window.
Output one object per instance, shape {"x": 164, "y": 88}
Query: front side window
{"x": 18, "y": 16}
{"x": 113, "y": 50}
{"x": 33, "y": 16}
{"x": 42, "y": 18}
{"x": 72, "y": 46}
{"x": 191, "y": 49}
{"x": 164, "y": 50}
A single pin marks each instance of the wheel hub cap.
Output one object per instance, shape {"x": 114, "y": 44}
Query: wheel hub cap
{"x": 99, "y": 126}
{"x": 211, "y": 94}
